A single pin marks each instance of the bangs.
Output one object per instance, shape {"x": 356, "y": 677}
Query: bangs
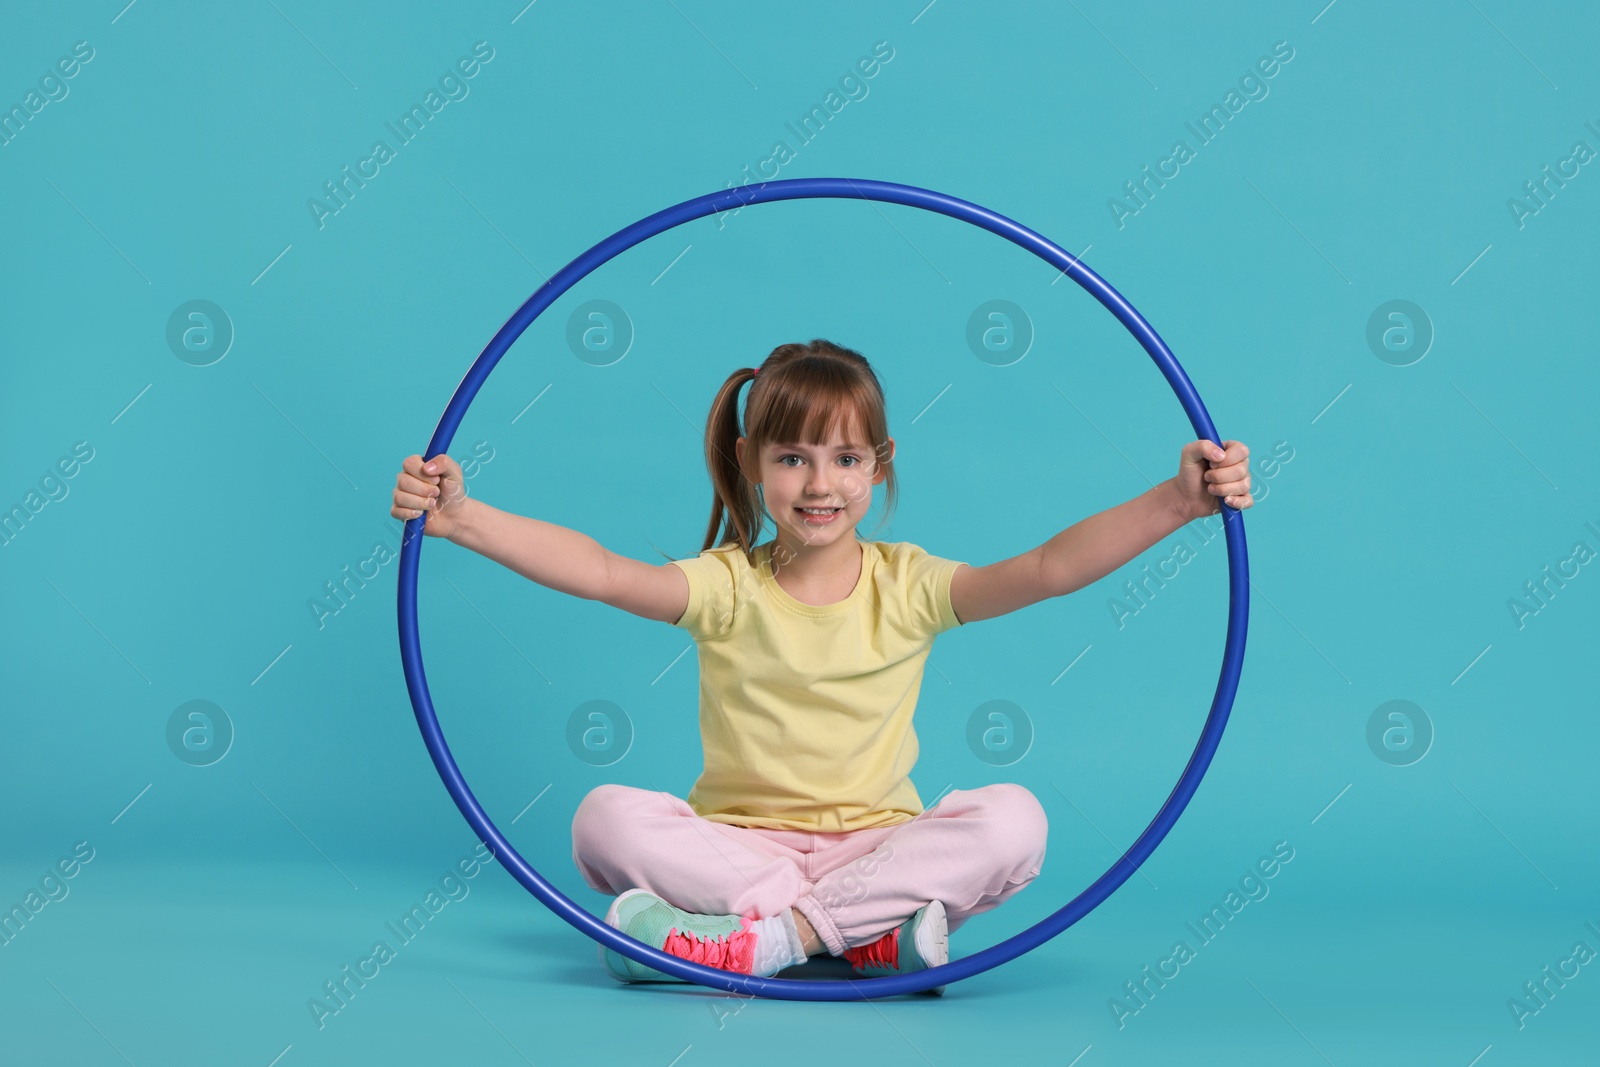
{"x": 829, "y": 401}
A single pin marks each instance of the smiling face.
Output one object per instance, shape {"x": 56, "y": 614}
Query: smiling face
{"x": 817, "y": 493}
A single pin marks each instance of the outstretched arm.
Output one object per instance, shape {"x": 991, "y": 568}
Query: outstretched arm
{"x": 571, "y": 562}
{"x": 1089, "y": 550}
{"x": 554, "y": 556}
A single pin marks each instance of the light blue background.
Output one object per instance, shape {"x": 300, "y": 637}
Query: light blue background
{"x": 181, "y": 562}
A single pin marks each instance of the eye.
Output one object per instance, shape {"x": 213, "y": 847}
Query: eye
{"x": 857, "y": 459}
{"x": 791, "y": 455}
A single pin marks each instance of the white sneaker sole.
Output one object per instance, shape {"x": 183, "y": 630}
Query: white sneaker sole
{"x": 932, "y": 940}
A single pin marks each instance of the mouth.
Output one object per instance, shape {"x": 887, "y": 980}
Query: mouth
{"x": 818, "y": 516}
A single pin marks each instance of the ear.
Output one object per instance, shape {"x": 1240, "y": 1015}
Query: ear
{"x": 739, "y": 454}
{"x": 879, "y": 475}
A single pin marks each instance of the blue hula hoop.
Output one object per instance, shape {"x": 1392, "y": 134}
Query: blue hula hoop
{"x": 867, "y": 988}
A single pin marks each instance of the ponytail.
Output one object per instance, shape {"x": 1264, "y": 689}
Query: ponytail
{"x": 735, "y": 508}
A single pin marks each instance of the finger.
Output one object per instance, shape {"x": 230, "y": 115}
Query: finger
{"x": 405, "y": 513}
{"x": 1240, "y": 502}
{"x": 1199, "y": 451}
{"x": 1230, "y": 488}
{"x": 413, "y": 477}
{"x": 414, "y": 501}
{"x": 421, "y": 487}
{"x": 408, "y": 484}
{"x": 1230, "y": 472}
{"x": 443, "y": 466}
{"x": 1235, "y": 451}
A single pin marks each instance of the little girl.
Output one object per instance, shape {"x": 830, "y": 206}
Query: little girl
{"x": 803, "y": 833}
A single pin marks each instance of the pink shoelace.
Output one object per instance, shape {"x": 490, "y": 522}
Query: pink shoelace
{"x": 884, "y": 952}
{"x": 732, "y": 952}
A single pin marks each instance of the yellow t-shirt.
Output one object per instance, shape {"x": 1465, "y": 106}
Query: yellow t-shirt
{"x": 805, "y": 710}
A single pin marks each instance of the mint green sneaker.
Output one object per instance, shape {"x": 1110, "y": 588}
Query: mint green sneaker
{"x": 920, "y": 942}
{"x": 722, "y": 941}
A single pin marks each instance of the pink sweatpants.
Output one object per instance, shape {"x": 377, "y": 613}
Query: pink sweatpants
{"x": 973, "y": 850}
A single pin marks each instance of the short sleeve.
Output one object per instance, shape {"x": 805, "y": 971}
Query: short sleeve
{"x": 709, "y": 613}
{"x": 921, "y": 585}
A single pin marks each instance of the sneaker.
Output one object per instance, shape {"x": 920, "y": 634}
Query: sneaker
{"x": 920, "y": 942}
{"x": 722, "y": 941}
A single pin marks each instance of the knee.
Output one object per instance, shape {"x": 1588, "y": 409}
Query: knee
{"x": 601, "y": 813}
{"x": 1020, "y": 829}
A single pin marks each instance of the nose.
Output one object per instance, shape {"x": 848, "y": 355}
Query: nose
{"x": 820, "y": 484}
{"x": 835, "y": 486}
